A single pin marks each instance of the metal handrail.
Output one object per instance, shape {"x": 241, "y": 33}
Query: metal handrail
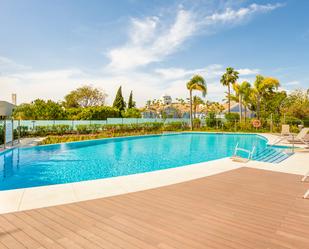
{"x": 283, "y": 138}
{"x": 250, "y": 153}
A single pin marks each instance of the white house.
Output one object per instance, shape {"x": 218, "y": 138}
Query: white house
{"x": 166, "y": 99}
{"x": 6, "y": 109}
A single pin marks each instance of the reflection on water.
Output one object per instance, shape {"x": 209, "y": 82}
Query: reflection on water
{"x": 10, "y": 163}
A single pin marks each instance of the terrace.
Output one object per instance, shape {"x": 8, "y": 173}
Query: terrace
{"x": 242, "y": 208}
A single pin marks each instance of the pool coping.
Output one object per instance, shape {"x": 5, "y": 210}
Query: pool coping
{"x": 50, "y": 195}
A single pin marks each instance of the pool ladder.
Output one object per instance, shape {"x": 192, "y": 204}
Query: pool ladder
{"x": 238, "y": 158}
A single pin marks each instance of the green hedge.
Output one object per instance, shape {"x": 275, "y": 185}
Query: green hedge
{"x": 98, "y": 113}
{"x": 232, "y": 116}
{"x": 88, "y": 129}
{"x": 293, "y": 121}
{"x": 109, "y": 128}
{"x": 51, "y": 130}
{"x": 1, "y": 135}
{"x": 175, "y": 126}
{"x": 211, "y": 119}
{"x": 306, "y": 122}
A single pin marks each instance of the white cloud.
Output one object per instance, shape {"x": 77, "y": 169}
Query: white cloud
{"x": 176, "y": 73}
{"x": 29, "y": 85}
{"x": 151, "y": 40}
{"x": 8, "y": 65}
{"x": 247, "y": 71}
{"x": 230, "y": 15}
{"x": 54, "y": 84}
{"x": 292, "y": 83}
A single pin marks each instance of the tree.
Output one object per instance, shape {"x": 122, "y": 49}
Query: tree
{"x": 132, "y": 113}
{"x": 97, "y": 113}
{"x": 196, "y": 83}
{"x": 85, "y": 96}
{"x": 180, "y": 101}
{"x": 131, "y": 103}
{"x": 263, "y": 87}
{"x": 196, "y": 101}
{"x": 242, "y": 92}
{"x": 297, "y": 104}
{"x": 40, "y": 110}
{"x": 230, "y": 77}
{"x": 119, "y": 101}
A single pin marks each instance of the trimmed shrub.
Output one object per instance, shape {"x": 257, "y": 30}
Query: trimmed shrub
{"x": 1, "y": 135}
{"x": 211, "y": 119}
{"x": 197, "y": 123}
{"x": 232, "y": 116}
{"x": 98, "y": 113}
{"x": 306, "y": 122}
{"x": 173, "y": 126}
{"x": 293, "y": 121}
{"x": 88, "y": 129}
{"x": 51, "y": 130}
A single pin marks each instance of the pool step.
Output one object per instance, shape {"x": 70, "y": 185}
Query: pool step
{"x": 272, "y": 155}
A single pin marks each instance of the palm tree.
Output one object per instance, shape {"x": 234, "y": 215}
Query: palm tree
{"x": 263, "y": 86}
{"x": 247, "y": 90}
{"x": 242, "y": 93}
{"x": 196, "y": 83}
{"x": 196, "y": 101}
{"x": 230, "y": 77}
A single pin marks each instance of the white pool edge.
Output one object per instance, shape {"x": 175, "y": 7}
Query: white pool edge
{"x": 51, "y": 195}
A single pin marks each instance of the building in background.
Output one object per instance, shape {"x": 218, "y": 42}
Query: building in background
{"x": 6, "y": 109}
{"x": 235, "y": 108}
{"x": 167, "y": 99}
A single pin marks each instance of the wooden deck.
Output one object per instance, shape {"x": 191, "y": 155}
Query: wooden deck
{"x": 245, "y": 208}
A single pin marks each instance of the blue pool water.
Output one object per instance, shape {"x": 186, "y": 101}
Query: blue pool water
{"x": 74, "y": 162}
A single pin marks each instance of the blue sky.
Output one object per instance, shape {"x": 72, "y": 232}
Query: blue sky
{"x": 50, "y": 47}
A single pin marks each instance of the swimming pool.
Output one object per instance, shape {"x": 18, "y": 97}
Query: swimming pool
{"x": 88, "y": 160}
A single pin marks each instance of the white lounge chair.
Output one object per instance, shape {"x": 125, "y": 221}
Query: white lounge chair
{"x": 300, "y": 137}
{"x": 285, "y": 130}
{"x": 305, "y": 177}
{"x": 306, "y": 195}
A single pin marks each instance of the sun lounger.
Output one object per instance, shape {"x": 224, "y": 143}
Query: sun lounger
{"x": 300, "y": 137}
{"x": 285, "y": 130}
{"x": 305, "y": 177}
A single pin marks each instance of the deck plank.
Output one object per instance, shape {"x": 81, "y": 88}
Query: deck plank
{"x": 241, "y": 209}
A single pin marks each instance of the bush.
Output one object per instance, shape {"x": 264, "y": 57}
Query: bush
{"x": 132, "y": 113}
{"x": 97, "y": 113}
{"x": 41, "y": 130}
{"x": 88, "y": 129}
{"x": 294, "y": 129}
{"x": 293, "y": 121}
{"x": 211, "y": 119}
{"x": 229, "y": 126}
{"x": 232, "y": 116}
{"x": 1, "y": 135}
{"x": 51, "y": 130}
{"x": 174, "y": 126}
{"x": 306, "y": 122}
{"x": 196, "y": 123}
{"x": 24, "y": 131}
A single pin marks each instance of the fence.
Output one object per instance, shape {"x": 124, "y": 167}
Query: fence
{"x": 31, "y": 124}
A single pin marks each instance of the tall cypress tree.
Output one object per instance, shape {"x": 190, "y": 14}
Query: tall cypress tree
{"x": 119, "y": 101}
{"x": 131, "y": 103}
